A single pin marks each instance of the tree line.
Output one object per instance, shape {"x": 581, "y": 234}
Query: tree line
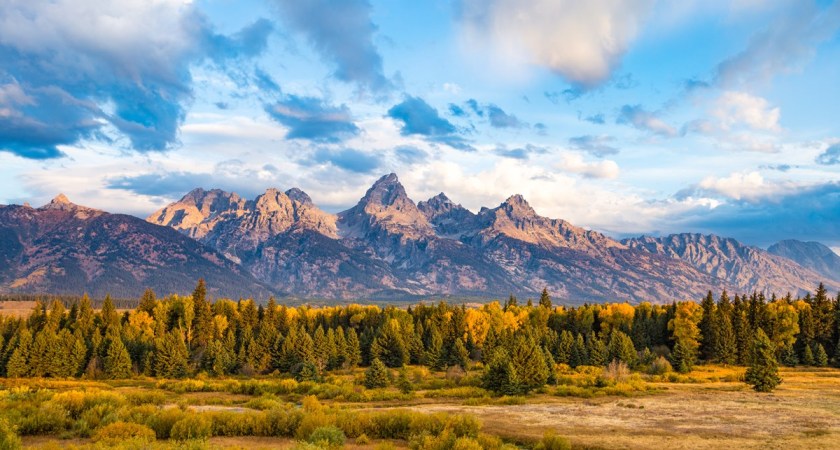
{"x": 518, "y": 346}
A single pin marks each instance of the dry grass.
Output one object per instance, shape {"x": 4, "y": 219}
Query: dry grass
{"x": 803, "y": 413}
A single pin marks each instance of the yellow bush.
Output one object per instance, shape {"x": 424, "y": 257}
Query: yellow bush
{"x": 118, "y": 432}
{"x": 193, "y": 426}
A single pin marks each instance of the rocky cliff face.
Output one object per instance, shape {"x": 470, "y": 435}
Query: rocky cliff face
{"x": 388, "y": 246}
{"x": 748, "y": 268}
{"x": 811, "y": 255}
{"x": 65, "y": 248}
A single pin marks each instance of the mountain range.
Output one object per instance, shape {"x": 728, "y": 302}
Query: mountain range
{"x": 385, "y": 247}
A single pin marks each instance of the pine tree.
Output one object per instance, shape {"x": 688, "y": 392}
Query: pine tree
{"x": 354, "y": 351}
{"x": 563, "y": 349}
{"x": 579, "y": 355}
{"x": 500, "y": 375}
{"x": 807, "y": 356}
{"x": 403, "y": 383}
{"x": 529, "y": 363}
{"x": 117, "y": 363}
{"x": 621, "y": 348}
{"x": 460, "y": 355}
{"x": 820, "y": 356}
{"x": 597, "y": 349}
{"x": 726, "y": 349}
{"x": 171, "y": 356}
{"x": 708, "y": 331}
{"x": 545, "y": 299}
{"x": 681, "y": 359}
{"x": 110, "y": 318}
{"x": 763, "y": 372}
{"x": 389, "y": 346}
{"x": 788, "y": 356}
{"x": 18, "y": 365}
{"x": 741, "y": 328}
{"x": 147, "y": 302}
{"x": 377, "y": 376}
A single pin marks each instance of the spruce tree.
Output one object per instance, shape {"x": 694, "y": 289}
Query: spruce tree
{"x": 597, "y": 349}
{"x": 545, "y": 299}
{"x": 354, "y": 350}
{"x": 529, "y": 363}
{"x": 579, "y": 355}
{"x": 708, "y": 331}
{"x": 18, "y": 365}
{"x": 807, "y": 356}
{"x": 621, "y": 348}
{"x": 459, "y": 355}
{"x": 788, "y": 356}
{"x": 171, "y": 356}
{"x": 820, "y": 356}
{"x": 377, "y": 376}
{"x": 117, "y": 363}
{"x": 763, "y": 371}
{"x": 726, "y": 350}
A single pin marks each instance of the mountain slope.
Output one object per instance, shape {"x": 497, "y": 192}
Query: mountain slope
{"x": 748, "y": 268}
{"x": 812, "y": 255}
{"x": 64, "y": 248}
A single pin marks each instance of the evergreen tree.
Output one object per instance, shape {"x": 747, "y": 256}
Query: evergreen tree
{"x": 579, "y": 355}
{"x": 18, "y": 365}
{"x": 563, "y": 349}
{"x": 354, "y": 351}
{"x": 147, "y": 302}
{"x": 621, "y": 348}
{"x": 763, "y": 371}
{"x": 742, "y": 330}
{"x": 389, "y": 347}
{"x": 117, "y": 363}
{"x": 529, "y": 363}
{"x": 808, "y": 356}
{"x": 681, "y": 358}
{"x": 788, "y": 356}
{"x": 545, "y": 299}
{"x": 500, "y": 375}
{"x": 726, "y": 349}
{"x": 377, "y": 376}
{"x": 708, "y": 329}
{"x": 820, "y": 356}
{"x": 597, "y": 349}
{"x": 171, "y": 356}
{"x": 403, "y": 383}
{"x": 460, "y": 355}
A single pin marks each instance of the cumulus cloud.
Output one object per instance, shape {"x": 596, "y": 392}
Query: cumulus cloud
{"x": 734, "y": 109}
{"x": 783, "y": 47}
{"x": 310, "y": 118}
{"x": 638, "y": 117}
{"x": 574, "y": 163}
{"x": 342, "y": 32}
{"x": 804, "y": 212}
{"x": 419, "y": 118}
{"x": 90, "y": 67}
{"x": 749, "y": 186}
{"x": 581, "y": 41}
{"x": 599, "y": 146}
{"x": 830, "y": 156}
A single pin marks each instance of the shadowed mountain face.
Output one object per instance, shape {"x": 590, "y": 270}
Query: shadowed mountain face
{"x": 389, "y": 246}
{"x": 812, "y": 255}
{"x": 64, "y": 248}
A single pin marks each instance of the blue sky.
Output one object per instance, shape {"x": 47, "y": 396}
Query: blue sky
{"x": 626, "y": 117}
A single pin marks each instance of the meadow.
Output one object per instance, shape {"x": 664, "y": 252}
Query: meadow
{"x": 589, "y": 407}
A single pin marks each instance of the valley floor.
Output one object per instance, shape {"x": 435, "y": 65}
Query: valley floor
{"x": 701, "y": 410}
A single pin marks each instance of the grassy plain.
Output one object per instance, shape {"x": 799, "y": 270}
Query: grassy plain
{"x": 708, "y": 408}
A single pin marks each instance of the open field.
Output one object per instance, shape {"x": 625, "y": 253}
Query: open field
{"x": 708, "y": 408}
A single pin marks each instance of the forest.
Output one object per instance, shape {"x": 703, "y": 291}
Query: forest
{"x": 67, "y": 366}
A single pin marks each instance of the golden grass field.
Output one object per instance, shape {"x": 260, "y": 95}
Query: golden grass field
{"x": 696, "y": 411}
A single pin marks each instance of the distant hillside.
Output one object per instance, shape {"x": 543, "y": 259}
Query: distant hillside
{"x": 812, "y": 255}
{"x": 63, "y": 248}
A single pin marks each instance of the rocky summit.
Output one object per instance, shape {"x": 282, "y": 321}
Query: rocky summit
{"x": 388, "y": 246}
{"x": 64, "y": 248}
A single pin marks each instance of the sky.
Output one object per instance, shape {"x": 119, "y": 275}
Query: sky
{"x": 628, "y": 117}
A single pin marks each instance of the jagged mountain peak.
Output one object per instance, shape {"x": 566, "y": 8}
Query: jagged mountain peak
{"x": 516, "y": 206}
{"x": 61, "y": 198}
{"x": 386, "y": 191}
{"x": 62, "y": 203}
{"x": 299, "y": 196}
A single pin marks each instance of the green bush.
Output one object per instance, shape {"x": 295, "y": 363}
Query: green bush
{"x": 193, "y": 426}
{"x": 553, "y": 442}
{"x": 9, "y": 440}
{"x": 660, "y": 366}
{"x": 49, "y": 418}
{"x": 118, "y": 432}
{"x": 329, "y": 437}
{"x": 164, "y": 420}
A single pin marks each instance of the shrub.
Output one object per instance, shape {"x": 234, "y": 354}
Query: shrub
{"x": 164, "y": 420}
{"x": 617, "y": 371}
{"x": 281, "y": 422}
{"x": 329, "y": 437}
{"x": 46, "y": 419}
{"x": 118, "y": 432}
{"x": 377, "y": 375}
{"x": 362, "y": 439}
{"x": 660, "y": 366}
{"x": 193, "y": 426}
{"x": 9, "y": 440}
{"x": 553, "y": 442}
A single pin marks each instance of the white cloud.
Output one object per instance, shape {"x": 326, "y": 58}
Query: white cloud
{"x": 744, "y": 186}
{"x": 574, "y": 163}
{"x": 581, "y": 41}
{"x": 734, "y": 109}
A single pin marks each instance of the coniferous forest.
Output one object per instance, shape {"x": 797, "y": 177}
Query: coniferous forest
{"x": 187, "y": 371}
{"x": 518, "y": 345}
